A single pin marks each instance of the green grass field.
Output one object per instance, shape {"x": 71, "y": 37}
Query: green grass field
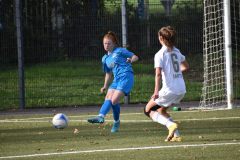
{"x": 70, "y": 83}
{"x": 211, "y": 135}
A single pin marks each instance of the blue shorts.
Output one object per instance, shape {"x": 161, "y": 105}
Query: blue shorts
{"x": 123, "y": 83}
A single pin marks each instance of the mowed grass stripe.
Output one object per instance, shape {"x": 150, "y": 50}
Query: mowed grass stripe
{"x": 124, "y": 121}
{"x": 122, "y": 114}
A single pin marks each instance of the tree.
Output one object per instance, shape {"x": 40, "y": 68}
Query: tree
{"x": 57, "y": 20}
{"x": 167, "y": 4}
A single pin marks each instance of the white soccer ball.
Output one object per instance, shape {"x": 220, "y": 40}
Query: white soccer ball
{"x": 60, "y": 121}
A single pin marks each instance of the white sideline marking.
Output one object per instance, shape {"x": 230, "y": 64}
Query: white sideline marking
{"x": 69, "y": 116}
{"x": 122, "y": 114}
{"x": 126, "y": 121}
{"x": 119, "y": 149}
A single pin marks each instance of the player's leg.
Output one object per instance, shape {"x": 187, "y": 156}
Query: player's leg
{"x": 158, "y": 117}
{"x": 164, "y": 113}
{"x": 176, "y": 137}
{"x": 171, "y": 99}
{"x": 105, "y": 108}
{"x": 151, "y": 110}
{"x": 124, "y": 86}
{"x": 170, "y": 124}
{"x": 162, "y": 116}
{"x": 116, "y": 110}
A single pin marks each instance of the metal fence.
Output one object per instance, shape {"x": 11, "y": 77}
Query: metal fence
{"x": 62, "y": 46}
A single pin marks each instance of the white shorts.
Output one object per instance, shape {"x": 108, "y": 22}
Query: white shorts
{"x": 168, "y": 99}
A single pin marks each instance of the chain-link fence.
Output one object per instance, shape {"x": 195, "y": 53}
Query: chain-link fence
{"x": 62, "y": 47}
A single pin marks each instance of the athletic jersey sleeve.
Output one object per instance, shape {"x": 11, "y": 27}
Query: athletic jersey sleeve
{"x": 104, "y": 65}
{"x": 182, "y": 58}
{"x": 126, "y": 53}
{"x": 158, "y": 60}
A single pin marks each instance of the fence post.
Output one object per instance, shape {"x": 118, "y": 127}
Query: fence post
{"x": 124, "y": 24}
{"x": 124, "y": 37}
{"x": 18, "y": 9}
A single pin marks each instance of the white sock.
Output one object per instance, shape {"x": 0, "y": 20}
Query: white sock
{"x": 156, "y": 117}
{"x": 117, "y": 121}
{"x": 176, "y": 133}
{"x": 101, "y": 115}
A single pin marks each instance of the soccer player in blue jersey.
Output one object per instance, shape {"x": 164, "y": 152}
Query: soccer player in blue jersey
{"x": 169, "y": 63}
{"x": 117, "y": 62}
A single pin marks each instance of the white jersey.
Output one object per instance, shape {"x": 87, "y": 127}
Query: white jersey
{"x": 172, "y": 78}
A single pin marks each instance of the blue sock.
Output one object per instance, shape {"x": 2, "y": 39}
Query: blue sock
{"x": 105, "y": 108}
{"x": 116, "y": 112}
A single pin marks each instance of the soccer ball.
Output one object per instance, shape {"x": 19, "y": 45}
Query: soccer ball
{"x": 60, "y": 121}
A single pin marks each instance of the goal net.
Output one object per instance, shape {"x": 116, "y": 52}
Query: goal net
{"x": 217, "y": 91}
{"x": 235, "y": 27}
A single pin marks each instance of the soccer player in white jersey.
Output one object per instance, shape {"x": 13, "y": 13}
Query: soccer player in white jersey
{"x": 169, "y": 64}
{"x": 117, "y": 62}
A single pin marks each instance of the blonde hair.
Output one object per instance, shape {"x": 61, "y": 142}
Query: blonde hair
{"x": 111, "y": 35}
{"x": 168, "y": 34}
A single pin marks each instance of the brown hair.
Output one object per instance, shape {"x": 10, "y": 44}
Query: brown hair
{"x": 111, "y": 35}
{"x": 168, "y": 34}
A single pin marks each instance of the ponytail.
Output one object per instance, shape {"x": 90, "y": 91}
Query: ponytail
{"x": 111, "y": 35}
{"x": 169, "y": 35}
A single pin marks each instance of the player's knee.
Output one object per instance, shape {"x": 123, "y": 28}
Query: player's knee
{"x": 154, "y": 108}
{"x": 147, "y": 113}
{"x": 114, "y": 102}
{"x": 108, "y": 96}
{"x": 162, "y": 110}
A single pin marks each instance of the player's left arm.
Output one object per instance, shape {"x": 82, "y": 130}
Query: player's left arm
{"x": 158, "y": 77}
{"x": 131, "y": 57}
{"x": 184, "y": 66}
{"x": 134, "y": 58}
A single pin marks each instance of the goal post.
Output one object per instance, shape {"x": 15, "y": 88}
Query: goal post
{"x": 228, "y": 52}
{"x": 217, "y": 91}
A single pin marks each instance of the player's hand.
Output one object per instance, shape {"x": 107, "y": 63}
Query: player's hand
{"x": 154, "y": 96}
{"x": 102, "y": 90}
{"x": 129, "y": 60}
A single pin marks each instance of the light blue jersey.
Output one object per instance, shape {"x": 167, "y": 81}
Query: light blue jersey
{"x": 116, "y": 62}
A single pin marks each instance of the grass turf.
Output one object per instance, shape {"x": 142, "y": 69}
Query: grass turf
{"x": 75, "y": 83}
{"x": 33, "y": 134}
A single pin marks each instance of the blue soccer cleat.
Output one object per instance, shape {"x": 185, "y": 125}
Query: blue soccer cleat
{"x": 115, "y": 127}
{"x": 98, "y": 119}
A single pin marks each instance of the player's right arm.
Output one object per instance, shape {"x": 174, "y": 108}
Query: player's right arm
{"x": 107, "y": 80}
{"x": 158, "y": 78}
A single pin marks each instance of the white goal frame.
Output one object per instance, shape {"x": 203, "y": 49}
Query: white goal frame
{"x": 228, "y": 52}
{"x": 223, "y": 94}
